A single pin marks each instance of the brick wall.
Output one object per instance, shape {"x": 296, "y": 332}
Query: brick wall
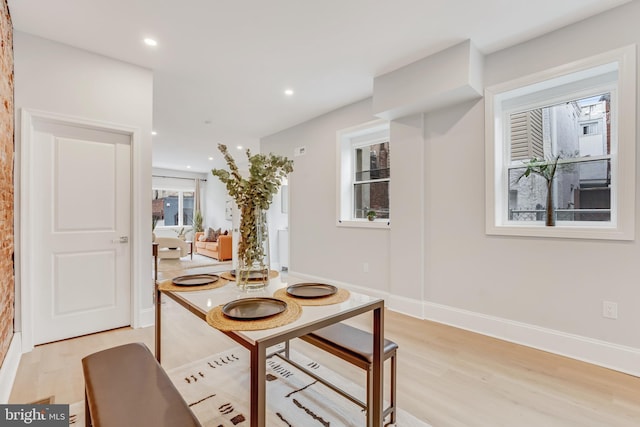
{"x": 6, "y": 181}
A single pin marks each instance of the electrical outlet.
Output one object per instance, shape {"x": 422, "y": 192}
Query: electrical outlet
{"x": 609, "y": 310}
{"x": 365, "y": 267}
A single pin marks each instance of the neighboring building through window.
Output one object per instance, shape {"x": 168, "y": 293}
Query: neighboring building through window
{"x": 172, "y": 207}
{"x": 583, "y": 114}
{"x": 371, "y": 179}
{"x": 364, "y": 174}
{"x": 582, "y": 183}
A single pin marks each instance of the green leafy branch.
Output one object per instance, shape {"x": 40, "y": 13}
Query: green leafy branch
{"x": 541, "y": 167}
{"x": 251, "y": 194}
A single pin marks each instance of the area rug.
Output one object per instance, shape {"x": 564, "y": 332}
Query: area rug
{"x": 184, "y": 263}
{"x": 217, "y": 390}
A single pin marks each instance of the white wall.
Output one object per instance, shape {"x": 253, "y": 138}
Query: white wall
{"x": 317, "y": 246}
{"x": 57, "y": 78}
{"x": 542, "y": 292}
{"x": 214, "y": 204}
{"x": 277, "y": 220}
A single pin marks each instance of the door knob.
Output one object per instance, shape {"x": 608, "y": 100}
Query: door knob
{"x": 122, "y": 239}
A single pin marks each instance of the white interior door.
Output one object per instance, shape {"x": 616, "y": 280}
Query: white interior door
{"x": 81, "y": 255}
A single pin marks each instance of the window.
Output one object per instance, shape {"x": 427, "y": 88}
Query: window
{"x": 172, "y": 207}
{"x": 583, "y": 115}
{"x": 590, "y": 128}
{"x": 371, "y": 179}
{"x": 581, "y": 186}
{"x": 364, "y": 174}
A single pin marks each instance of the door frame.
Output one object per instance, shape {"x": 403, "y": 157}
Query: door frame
{"x": 139, "y": 276}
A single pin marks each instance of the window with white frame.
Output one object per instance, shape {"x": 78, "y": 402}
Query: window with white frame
{"x": 364, "y": 174}
{"x": 582, "y": 116}
{"x": 172, "y": 207}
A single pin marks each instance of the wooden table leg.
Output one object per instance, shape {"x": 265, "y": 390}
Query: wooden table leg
{"x": 258, "y": 386}
{"x": 158, "y": 325}
{"x": 376, "y": 410}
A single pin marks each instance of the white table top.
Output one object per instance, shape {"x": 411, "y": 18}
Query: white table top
{"x": 205, "y": 300}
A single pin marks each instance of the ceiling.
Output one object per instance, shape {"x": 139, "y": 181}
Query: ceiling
{"x": 221, "y": 66}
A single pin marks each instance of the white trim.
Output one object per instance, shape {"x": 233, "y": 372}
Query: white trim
{"x": 609, "y": 355}
{"x": 147, "y": 317}
{"x": 365, "y": 223}
{"x": 622, "y": 226}
{"x": 139, "y": 275}
{"x": 408, "y": 306}
{"x": 9, "y": 367}
{"x": 140, "y": 230}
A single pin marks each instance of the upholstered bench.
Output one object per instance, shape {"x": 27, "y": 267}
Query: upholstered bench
{"x": 126, "y": 386}
{"x": 356, "y": 347}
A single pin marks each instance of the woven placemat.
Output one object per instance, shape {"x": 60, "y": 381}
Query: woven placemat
{"x": 341, "y": 296}
{"x": 218, "y": 320}
{"x": 227, "y": 275}
{"x": 168, "y": 285}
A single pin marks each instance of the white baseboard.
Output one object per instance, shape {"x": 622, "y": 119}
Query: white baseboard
{"x": 9, "y": 367}
{"x": 147, "y": 317}
{"x": 409, "y": 306}
{"x": 609, "y": 355}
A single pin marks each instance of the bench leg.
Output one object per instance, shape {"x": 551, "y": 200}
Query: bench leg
{"x": 393, "y": 388}
{"x": 369, "y": 394}
{"x": 87, "y": 414}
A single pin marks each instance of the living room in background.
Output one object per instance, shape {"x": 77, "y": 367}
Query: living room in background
{"x": 580, "y": 117}
{"x": 364, "y": 175}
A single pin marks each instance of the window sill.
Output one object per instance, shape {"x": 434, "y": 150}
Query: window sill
{"x": 565, "y": 231}
{"x": 379, "y": 223}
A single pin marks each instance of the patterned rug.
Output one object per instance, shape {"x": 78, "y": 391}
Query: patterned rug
{"x": 217, "y": 390}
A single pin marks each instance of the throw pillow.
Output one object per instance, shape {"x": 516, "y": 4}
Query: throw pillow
{"x": 208, "y": 235}
{"x": 216, "y": 234}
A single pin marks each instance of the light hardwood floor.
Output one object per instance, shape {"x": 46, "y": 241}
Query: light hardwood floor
{"x": 446, "y": 376}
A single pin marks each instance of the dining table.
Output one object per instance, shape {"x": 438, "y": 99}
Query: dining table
{"x": 311, "y": 318}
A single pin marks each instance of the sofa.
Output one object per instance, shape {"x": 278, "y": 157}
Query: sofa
{"x": 222, "y": 249}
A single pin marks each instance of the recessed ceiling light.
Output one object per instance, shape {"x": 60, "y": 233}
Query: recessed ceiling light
{"x": 210, "y": 158}
{"x": 239, "y": 147}
{"x": 288, "y": 92}
{"x": 153, "y": 132}
{"x": 188, "y": 167}
{"x": 150, "y": 42}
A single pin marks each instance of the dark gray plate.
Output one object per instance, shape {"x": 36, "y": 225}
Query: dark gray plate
{"x": 311, "y": 290}
{"x": 253, "y": 308}
{"x": 195, "y": 279}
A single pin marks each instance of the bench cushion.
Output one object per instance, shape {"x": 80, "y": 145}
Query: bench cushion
{"x": 352, "y": 340}
{"x": 126, "y": 386}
